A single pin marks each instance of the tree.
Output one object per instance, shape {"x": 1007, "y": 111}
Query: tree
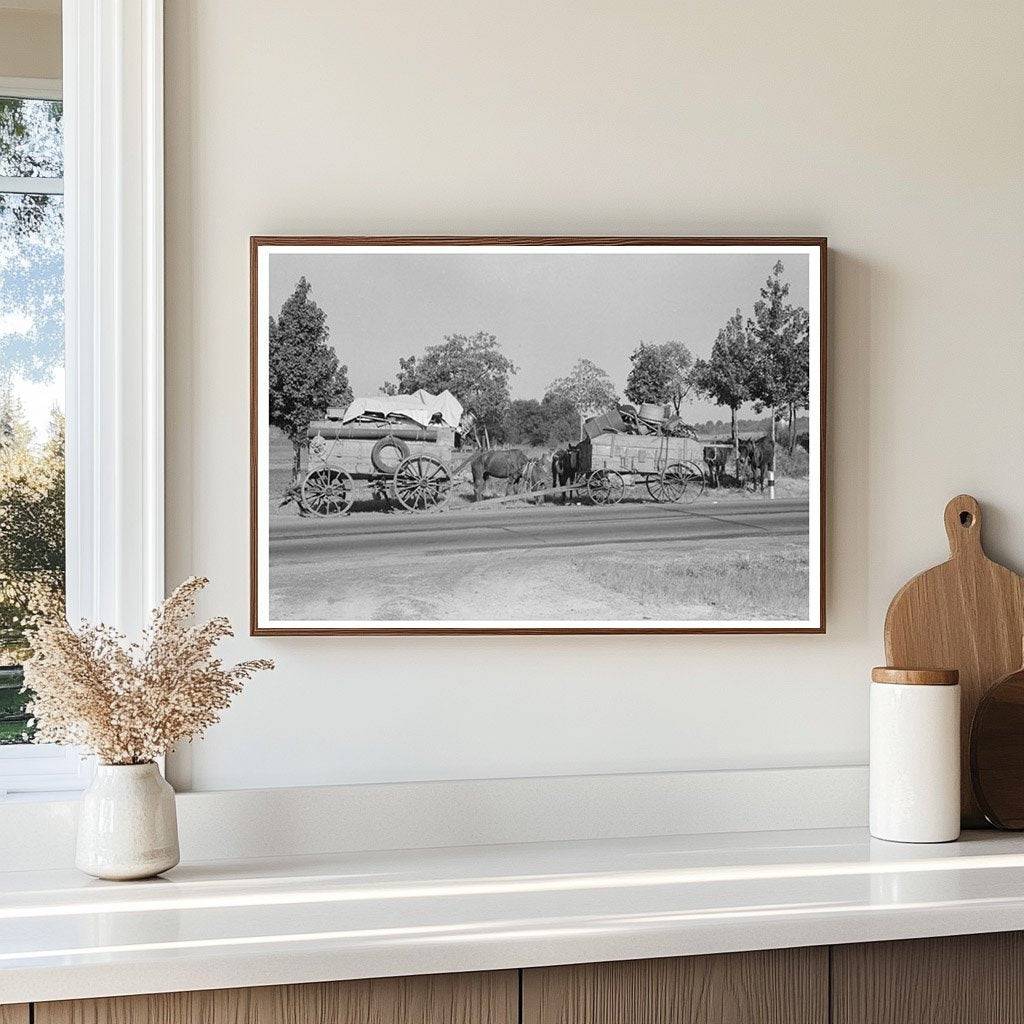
{"x": 304, "y": 374}
{"x": 797, "y": 372}
{"x": 586, "y": 387}
{"x": 31, "y": 145}
{"x": 525, "y": 422}
{"x": 659, "y": 374}
{"x": 32, "y": 550}
{"x": 776, "y": 333}
{"x": 561, "y": 419}
{"x": 552, "y": 421}
{"x": 725, "y": 376}
{"x": 473, "y": 368}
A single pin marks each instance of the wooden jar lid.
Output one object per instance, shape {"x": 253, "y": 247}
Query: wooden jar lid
{"x": 916, "y": 676}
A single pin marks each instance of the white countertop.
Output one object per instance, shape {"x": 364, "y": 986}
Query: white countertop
{"x": 261, "y": 922}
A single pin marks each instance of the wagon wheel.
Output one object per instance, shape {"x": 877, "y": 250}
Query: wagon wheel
{"x": 605, "y": 487}
{"x": 670, "y": 485}
{"x": 422, "y": 482}
{"x": 692, "y": 478}
{"x": 327, "y": 492}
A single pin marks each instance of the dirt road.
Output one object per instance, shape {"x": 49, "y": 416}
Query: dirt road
{"x": 635, "y": 561}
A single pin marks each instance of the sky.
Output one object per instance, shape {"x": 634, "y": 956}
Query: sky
{"x": 31, "y": 274}
{"x": 547, "y": 310}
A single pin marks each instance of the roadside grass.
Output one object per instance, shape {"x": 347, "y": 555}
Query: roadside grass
{"x": 768, "y": 581}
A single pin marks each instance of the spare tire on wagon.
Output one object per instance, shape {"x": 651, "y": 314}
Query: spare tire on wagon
{"x": 388, "y": 454}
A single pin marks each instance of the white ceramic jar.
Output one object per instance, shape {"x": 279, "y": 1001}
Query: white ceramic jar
{"x": 915, "y": 755}
{"x": 127, "y": 824}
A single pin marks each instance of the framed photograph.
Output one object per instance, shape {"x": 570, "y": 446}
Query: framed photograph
{"x": 537, "y": 435}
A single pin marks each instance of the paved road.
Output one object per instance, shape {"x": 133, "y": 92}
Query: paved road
{"x": 467, "y": 531}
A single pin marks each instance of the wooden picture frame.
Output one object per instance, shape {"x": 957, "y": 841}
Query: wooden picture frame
{"x": 265, "y": 250}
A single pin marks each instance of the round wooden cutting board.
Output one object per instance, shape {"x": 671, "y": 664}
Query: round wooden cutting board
{"x": 997, "y": 752}
{"x": 967, "y": 614}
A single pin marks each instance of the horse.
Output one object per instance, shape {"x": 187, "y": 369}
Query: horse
{"x": 715, "y": 457}
{"x": 534, "y": 477}
{"x": 758, "y": 455}
{"x": 503, "y": 464}
{"x": 565, "y": 468}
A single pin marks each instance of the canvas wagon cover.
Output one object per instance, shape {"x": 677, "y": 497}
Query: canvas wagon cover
{"x": 421, "y": 407}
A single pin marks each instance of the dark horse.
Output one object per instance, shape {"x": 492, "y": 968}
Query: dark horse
{"x": 757, "y": 457}
{"x": 715, "y": 458}
{"x": 504, "y": 464}
{"x": 565, "y": 468}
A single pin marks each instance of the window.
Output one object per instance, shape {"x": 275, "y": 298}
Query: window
{"x": 91, "y": 172}
{"x": 32, "y": 514}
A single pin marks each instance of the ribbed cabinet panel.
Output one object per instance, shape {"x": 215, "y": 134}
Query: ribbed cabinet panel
{"x": 479, "y": 998}
{"x": 778, "y": 986}
{"x": 960, "y": 979}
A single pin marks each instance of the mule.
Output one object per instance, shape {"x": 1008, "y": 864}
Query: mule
{"x": 565, "y": 468}
{"x": 715, "y": 458}
{"x": 758, "y": 456}
{"x": 503, "y": 464}
{"x": 534, "y": 477}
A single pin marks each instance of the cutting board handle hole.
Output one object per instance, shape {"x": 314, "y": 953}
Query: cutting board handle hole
{"x": 966, "y": 519}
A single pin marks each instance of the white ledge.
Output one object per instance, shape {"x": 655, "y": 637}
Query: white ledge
{"x": 302, "y": 919}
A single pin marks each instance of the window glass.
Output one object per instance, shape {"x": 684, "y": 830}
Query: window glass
{"x": 31, "y": 138}
{"x": 31, "y": 387}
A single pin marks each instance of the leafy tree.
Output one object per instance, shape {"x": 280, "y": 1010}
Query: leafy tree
{"x": 472, "y": 367}
{"x": 551, "y": 421}
{"x": 797, "y": 372}
{"x": 725, "y": 376}
{"x": 304, "y": 374}
{"x": 563, "y": 422}
{"x": 31, "y": 145}
{"x": 586, "y": 387}
{"x": 659, "y": 374}
{"x": 31, "y": 526}
{"x": 777, "y": 332}
{"x": 525, "y": 423}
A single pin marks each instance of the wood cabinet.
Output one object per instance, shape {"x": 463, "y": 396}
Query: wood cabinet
{"x": 491, "y": 998}
{"x": 776, "y": 986}
{"x": 971, "y": 979}
{"x": 962, "y": 979}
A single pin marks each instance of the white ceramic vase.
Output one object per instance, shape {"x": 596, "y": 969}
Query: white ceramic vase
{"x": 127, "y": 825}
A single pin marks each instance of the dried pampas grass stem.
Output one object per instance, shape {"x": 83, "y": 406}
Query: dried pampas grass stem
{"x": 129, "y": 703}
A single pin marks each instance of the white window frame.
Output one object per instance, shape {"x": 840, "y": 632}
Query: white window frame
{"x": 114, "y": 325}
{"x": 45, "y": 767}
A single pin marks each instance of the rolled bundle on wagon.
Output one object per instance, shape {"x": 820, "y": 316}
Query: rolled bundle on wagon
{"x": 400, "y": 445}
{"x": 333, "y": 430}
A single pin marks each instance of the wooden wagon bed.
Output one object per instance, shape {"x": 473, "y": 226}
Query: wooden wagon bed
{"x": 638, "y": 453}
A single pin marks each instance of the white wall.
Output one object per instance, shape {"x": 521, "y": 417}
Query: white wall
{"x": 895, "y": 129}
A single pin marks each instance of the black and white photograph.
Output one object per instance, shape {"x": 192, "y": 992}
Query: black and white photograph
{"x": 537, "y": 435}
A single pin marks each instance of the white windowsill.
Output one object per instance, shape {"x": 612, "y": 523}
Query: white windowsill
{"x": 42, "y": 771}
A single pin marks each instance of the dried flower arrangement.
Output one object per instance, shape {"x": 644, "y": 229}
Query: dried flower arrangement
{"x": 129, "y": 703}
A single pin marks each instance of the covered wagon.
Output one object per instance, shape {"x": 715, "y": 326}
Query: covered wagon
{"x": 397, "y": 447}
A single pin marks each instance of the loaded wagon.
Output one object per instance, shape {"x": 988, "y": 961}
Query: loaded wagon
{"x": 395, "y": 448}
{"x": 668, "y": 458}
{"x": 400, "y": 449}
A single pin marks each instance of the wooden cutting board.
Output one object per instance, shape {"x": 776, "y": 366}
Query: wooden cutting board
{"x": 997, "y": 752}
{"x": 967, "y": 614}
